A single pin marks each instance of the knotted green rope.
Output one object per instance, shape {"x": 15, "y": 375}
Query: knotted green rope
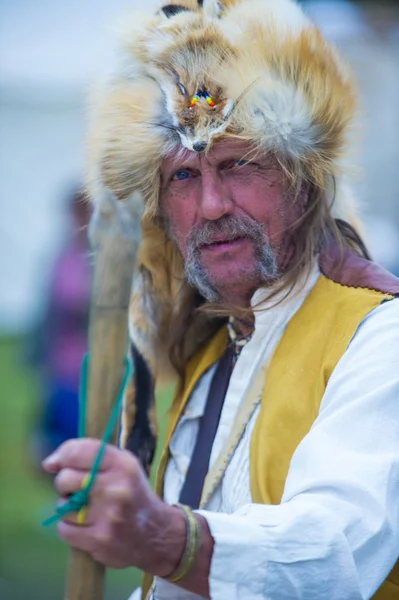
{"x": 80, "y": 499}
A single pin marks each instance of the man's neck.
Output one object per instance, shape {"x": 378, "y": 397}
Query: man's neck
{"x": 243, "y": 315}
{"x": 244, "y": 326}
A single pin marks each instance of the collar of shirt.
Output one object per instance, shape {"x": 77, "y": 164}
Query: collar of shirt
{"x": 269, "y": 326}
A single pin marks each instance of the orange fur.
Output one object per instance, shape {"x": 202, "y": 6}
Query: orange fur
{"x": 290, "y": 94}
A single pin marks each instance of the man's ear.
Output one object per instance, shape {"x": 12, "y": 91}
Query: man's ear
{"x": 300, "y": 201}
{"x": 304, "y": 194}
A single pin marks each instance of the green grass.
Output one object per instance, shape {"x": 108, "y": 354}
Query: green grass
{"x": 32, "y": 560}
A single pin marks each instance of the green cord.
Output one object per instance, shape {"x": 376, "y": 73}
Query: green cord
{"x": 80, "y": 498}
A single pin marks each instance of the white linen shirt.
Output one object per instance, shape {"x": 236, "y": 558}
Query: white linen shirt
{"x": 335, "y": 534}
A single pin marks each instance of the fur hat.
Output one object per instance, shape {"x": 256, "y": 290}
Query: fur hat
{"x": 271, "y": 80}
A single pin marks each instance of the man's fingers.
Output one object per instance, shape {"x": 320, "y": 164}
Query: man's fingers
{"x": 69, "y": 481}
{"x": 75, "y": 535}
{"x": 84, "y": 517}
{"x": 79, "y": 454}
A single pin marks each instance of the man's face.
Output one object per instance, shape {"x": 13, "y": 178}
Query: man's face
{"x": 228, "y": 215}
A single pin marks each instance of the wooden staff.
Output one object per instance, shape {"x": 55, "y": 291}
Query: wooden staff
{"x": 114, "y": 234}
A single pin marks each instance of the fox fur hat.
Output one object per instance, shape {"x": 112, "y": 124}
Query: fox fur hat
{"x": 195, "y": 72}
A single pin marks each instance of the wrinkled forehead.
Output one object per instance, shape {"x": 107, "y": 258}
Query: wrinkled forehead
{"x": 221, "y": 150}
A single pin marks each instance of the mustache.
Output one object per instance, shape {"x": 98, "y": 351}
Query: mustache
{"x": 227, "y": 227}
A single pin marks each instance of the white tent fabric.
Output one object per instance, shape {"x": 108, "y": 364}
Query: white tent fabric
{"x": 50, "y": 52}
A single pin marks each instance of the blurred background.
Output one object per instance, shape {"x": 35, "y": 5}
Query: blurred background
{"x": 50, "y": 51}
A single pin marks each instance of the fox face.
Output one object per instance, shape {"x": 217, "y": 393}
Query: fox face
{"x": 182, "y": 49}
{"x": 197, "y": 103}
{"x": 198, "y": 109}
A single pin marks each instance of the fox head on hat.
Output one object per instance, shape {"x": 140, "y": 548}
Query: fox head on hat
{"x": 195, "y": 72}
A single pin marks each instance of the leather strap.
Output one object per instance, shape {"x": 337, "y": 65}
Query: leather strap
{"x": 241, "y": 420}
{"x": 192, "y": 488}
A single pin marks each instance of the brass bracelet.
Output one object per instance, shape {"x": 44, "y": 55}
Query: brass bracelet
{"x": 191, "y": 547}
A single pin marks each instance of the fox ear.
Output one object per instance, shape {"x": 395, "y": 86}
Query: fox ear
{"x": 170, "y": 10}
{"x": 211, "y": 8}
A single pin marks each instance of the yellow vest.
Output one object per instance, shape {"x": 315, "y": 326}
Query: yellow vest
{"x": 315, "y": 339}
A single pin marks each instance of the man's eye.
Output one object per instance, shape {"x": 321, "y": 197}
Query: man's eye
{"x": 236, "y": 164}
{"x": 240, "y": 167}
{"x": 181, "y": 175}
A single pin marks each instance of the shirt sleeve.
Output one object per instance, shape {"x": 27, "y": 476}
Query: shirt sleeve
{"x": 335, "y": 534}
{"x": 136, "y": 594}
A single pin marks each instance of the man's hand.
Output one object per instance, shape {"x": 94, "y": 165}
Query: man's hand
{"x": 126, "y": 524}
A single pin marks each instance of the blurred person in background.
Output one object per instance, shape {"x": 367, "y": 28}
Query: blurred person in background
{"x": 59, "y": 342}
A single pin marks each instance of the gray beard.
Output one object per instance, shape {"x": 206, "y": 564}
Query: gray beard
{"x": 232, "y": 227}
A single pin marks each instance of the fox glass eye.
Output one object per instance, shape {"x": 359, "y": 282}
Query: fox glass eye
{"x": 181, "y": 88}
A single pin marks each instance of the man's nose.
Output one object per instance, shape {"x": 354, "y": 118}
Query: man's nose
{"x": 214, "y": 200}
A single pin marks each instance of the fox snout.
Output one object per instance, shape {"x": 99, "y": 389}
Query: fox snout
{"x": 199, "y": 146}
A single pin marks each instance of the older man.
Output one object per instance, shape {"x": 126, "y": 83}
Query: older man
{"x": 280, "y": 473}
